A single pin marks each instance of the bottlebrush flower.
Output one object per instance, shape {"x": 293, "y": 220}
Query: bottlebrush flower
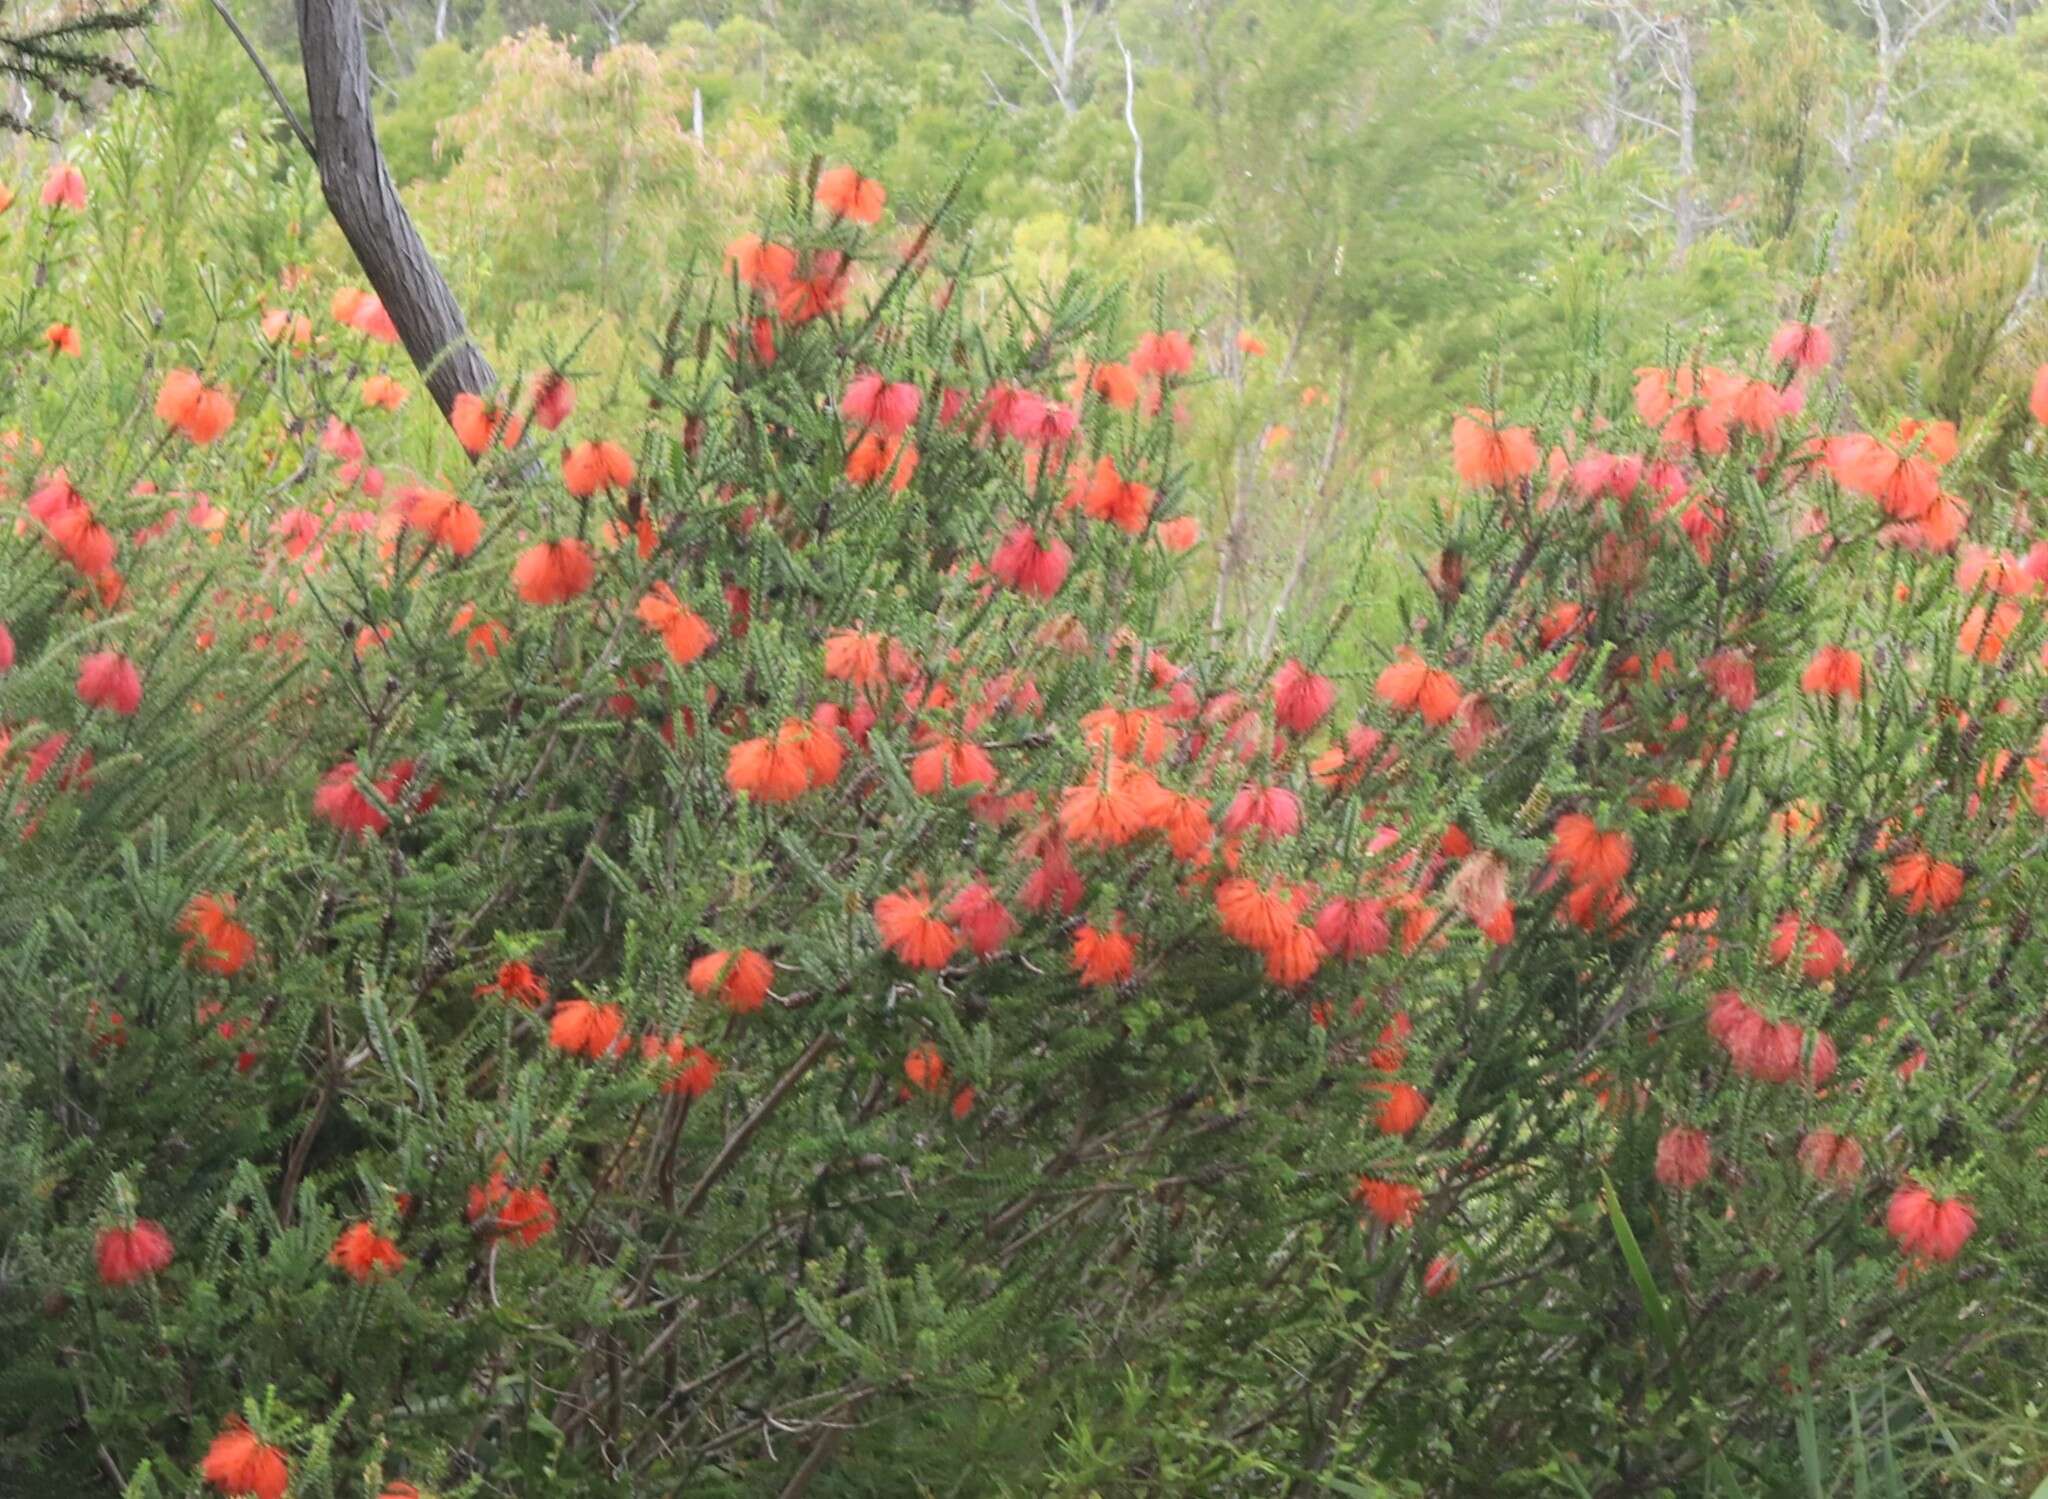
{"x": 762, "y": 265}
{"x": 1109, "y": 810}
{"x": 691, "y": 1069}
{"x": 845, "y": 194}
{"x": 1354, "y": 928}
{"x": 554, "y": 572}
{"x": 738, "y": 980}
{"x": 442, "y": 518}
{"x": 925, "y": 1068}
{"x": 1684, "y": 1157}
{"x": 1834, "y": 672}
{"x": 109, "y": 680}
{"x": 62, "y": 338}
{"x": 1167, "y": 353}
{"x": 909, "y": 930}
{"x": 63, "y": 187}
{"x": 591, "y": 466}
{"x": 1401, "y": 1108}
{"x": 135, "y": 1252}
{"x": 383, "y": 392}
{"x": 1928, "y": 1228}
{"x": 871, "y": 401}
{"x": 551, "y": 398}
{"x": 507, "y": 1212}
{"x": 1830, "y": 1159}
{"x": 1272, "y": 810}
{"x": 1392, "y": 1204}
{"x": 1823, "y": 954}
{"x": 798, "y": 757}
{"x": 186, "y": 402}
{"x": 477, "y": 423}
{"x": 339, "y": 800}
{"x": 683, "y": 634}
{"x": 1032, "y": 567}
{"x": 1589, "y": 855}
{"x": 517, "y": 982}
{"x": 950, "y": 764}
{"x": 1301, "y": 698}
{"x": 583, "y": 1029}
{"x": 213, "y": 938}
{"x": 1488, "y": 455}
{"x": 1439, "y": 1276}
{"x": 1411, "y": 685}
{"x": 1108, "y": 496}
{"x": 1924, "y": 882}
{"x": 981, "y": 918}
{"x": 1103, "y": 957}
{"x": 364, "y": 1253}
{"x": 1803, "y": 345}
{"x": 239, "y": 1463}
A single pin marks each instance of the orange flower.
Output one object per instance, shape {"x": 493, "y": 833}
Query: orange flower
{"x": 845, "y": 194}
{"x": 1401, "y": 1110}
{"x": 1985, "y": 632}
{"x": 553, "y": 572}
{"x": 591, "y": 466}
{"x": 780, "y": 769}
{"x": 441, "y": 517}
{"x": 950, "y": 764}
{"x": 1103, "y": 957}
{"x": 363, "y": 1253}
{"x": 910, "y": 931}
{"x": 1110, "y": 497}
{"x": 1488, "y": 455}
{"x": 1590, "y": 856}
{"x": 683, "y": 635}
{"x": 1834, "y": 672}
{"x": 383, "y": 391}
{"x": 213, "y": 938}
{"x": 876, "y": 454}
{"x": 855, "y": 656}
{"x": 583, "y": 1029}
{"x": 551, "y": 398}
{"x": 1921, "y": 881}
{"x": 762, "y": 265}
{"x": 925, "y": 1067}
{"x": 62, "y": 338}
{"x": 1411, "y": 685}
{"x": 63, "y": 187}
{"x": 238, "y": 1462}
{"x": 185, "y": 402}
{"x": 1684, "y": 1157}
{"x": 738, "y": 980}
{"x": 1393, "y": 1204}
{"x": 476, "y": 424}
{"x": 518, "y": 982}
{"x": 1110, "y": 810}
{"x": 1929, "y": 1228}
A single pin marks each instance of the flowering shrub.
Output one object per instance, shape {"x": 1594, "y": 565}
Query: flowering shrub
{"x": 740, "y": 942}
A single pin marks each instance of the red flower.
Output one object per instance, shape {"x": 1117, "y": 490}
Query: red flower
{"x": 108, "y": 679}
{"x": 1823, "y": 954}
{"x": 1030, "y": 566}
{"x": 554, "y": 572}
{"x": 1353, "y": 928}
{"x": 950, "y": 764}
{"x": 981, "y": 919}
{"x": 1301, "y": 698}
{"x": 591, "y": 466}
{"x": 1923, "y": 881}
{"x": 1589, "y": 856}
{"x": 1167, "y": 353}
{"x": 187, "y": 403}
{"x": 126, "y": 1255}
{"x": 1103, "y": 957}
{"x": 925, "y": 1068}
{"x": 870, "y": 401}
{"x": 909, "y": 930}
{"x": 363, "y": 1253}
{"x": 1488, "y": 455}
{"x": 583, "y": 1029}
{"x": 1401, "y": 1109}
{"x": 476, "y": 423}
{"x": 213, "y": 938}
{"x": 553, "y": 398}
{"x": 505, "y": 1211}
{"x": 1439, "y": 1276}
{"x": 692, "y": 1069}
{"x": 1393, "y": 1204}
{"x": 1803, "y": 345}
{"x": 518, "y": 982}
{"x": 1833, "y": 671}
{"x": 1411, "y": 685}
{"x": 1684, "y": 1156}
{"x": 780, "y": 769}
{"x": 683, "y": 634}
{"x": 63, "y": 187}
{"x": 442, "y": 518}
{"x": 1832, "y": 1160}
{"x": 238, "y": 1463}
{"x": 341, "y": 801}
{"x": 1927, "y": 1227}
{"x": 845, "y": 194}
{"x": 739, "y": 980}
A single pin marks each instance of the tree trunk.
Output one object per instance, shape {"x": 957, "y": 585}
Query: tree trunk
{"x": 364, "y": 202}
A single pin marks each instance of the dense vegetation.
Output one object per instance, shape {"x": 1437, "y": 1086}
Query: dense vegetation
{"x": 1378, "y": 835}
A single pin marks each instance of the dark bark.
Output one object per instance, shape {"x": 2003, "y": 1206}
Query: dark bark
{"x": 364, "y": 201}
